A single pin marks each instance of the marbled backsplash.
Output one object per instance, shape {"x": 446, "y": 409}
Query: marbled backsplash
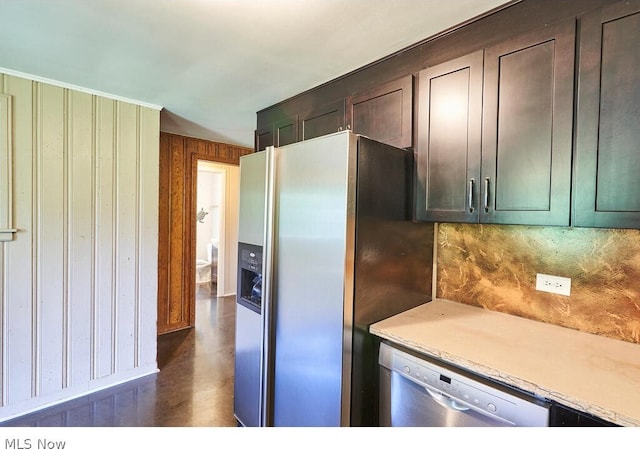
{"x": 495, "y": 267}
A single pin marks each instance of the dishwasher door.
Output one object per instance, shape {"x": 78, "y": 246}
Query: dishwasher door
{"x": 415, "y": 392}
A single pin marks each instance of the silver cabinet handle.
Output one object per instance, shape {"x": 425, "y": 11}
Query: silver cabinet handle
{"x": 471, "y": 182}
{"x": 486, "y": 195}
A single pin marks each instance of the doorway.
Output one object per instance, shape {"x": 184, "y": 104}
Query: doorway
{"x": 215, "y": 203}
{"x": 210, "y": 195}
{"x": 178, "y": 225}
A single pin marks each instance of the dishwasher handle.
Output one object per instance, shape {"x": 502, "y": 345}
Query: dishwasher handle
{"x": 444, "y": 401}
{"x": 455, "y": 405}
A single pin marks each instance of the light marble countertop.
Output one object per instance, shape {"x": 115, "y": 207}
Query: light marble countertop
{"x": 587, "y": 372}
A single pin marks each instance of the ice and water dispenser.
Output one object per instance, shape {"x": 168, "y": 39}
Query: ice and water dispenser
{"x": 250, "y": 276}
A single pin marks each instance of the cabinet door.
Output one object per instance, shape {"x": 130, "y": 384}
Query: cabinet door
{"x": 527, "y": 128}
{"x": 384, "y": 113}
{"x": 277, "y": 134}
{"x": 323, "y": 120}
{"x": 263, "y": 138}
{"x": 286, "y": 132}
{"x": 607, "y": 166}
{"x": 449, "y": 127}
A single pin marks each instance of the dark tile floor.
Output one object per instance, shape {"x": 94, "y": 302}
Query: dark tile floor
{"x": 193, "y": 388}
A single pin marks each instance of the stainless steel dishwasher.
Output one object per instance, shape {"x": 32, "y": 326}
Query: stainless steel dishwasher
{"x": 417, "y": 392}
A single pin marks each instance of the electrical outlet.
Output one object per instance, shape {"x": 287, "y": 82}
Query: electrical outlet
{"x": 553, "y": 284}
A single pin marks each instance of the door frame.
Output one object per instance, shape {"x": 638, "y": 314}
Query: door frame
{"x": 179, "y": 157}
{"x": 190, "y": 205}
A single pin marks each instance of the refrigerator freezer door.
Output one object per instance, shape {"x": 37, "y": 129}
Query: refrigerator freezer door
{"x": 253, "y": 190}
{"x": 313, "y": 286}
{"x": 248, "y": 375}
{"x": 252, "y": 326}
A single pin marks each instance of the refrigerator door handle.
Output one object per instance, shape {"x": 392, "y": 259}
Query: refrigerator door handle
{"x": 267, "y": 264}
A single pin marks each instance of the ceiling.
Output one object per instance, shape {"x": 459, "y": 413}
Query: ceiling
{"x": 212, "y": 64}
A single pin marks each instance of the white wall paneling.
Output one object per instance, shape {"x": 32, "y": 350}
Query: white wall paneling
{"x": 148, "y": 169}
{"x": 6, "y": 231}
{"x": 78, "y": 282}
{"x": 81, "y": 213}
{"x": 104, "y": 350}
{"x": 18, "y": 256}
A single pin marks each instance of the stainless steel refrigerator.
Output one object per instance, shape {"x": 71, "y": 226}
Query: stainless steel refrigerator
{"x": 340, "y": 251}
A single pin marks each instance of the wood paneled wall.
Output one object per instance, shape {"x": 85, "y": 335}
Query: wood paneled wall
{"x": 177, "y": 233}
{"x": 78, "y": 282}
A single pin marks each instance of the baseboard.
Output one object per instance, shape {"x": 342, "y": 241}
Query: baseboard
{"x": 35, "y": 404}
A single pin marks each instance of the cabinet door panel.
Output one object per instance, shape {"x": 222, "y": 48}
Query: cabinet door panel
{"x": 263, "y": 138}
{"x": 449, "y": 120}
{"x": 384, "y": 113}
{"x": 525, "y": 106}
{"x": 527, "y": 128}
{"x": 608, "y": 144}
{"x": 321, "y": 121}
{"x": 286, "y": 132}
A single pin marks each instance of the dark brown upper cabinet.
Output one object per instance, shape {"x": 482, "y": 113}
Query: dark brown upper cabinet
{"x": 285, "y": 131}
{"x": 524, "y": 129}
{"x": 277, "y": 134}
{"x": 384, "y": 113}
{"x": 528, "y": 127}
{"x": 449, "y": 131}
{"x": 323, "y": 120}
{"x": 607, "y": 166}
{"x": 263, "y": 138}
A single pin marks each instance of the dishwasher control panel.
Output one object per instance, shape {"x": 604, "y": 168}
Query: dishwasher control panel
{"x": 461, "y": 391}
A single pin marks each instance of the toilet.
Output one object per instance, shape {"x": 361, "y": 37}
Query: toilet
{"x": 207, "y": 270}
{"x": 203, "y": 271}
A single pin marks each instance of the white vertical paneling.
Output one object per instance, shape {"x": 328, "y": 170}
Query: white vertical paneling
{"x": 106, "y": 180}
{"x": 81, "y": 213}
{"x": 6, "y": 182}
{"x": 78, "y": 284}
{"x": 148, "y": 211}
{"x": 52, "y": 237}
{"x": 4, "y": 128}
{"x": 19, "y": 266}
{"x": 127, "y": 234}
{"x": 3, "y": 328}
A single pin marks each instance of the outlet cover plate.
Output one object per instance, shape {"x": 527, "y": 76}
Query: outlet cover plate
{"x": 553, "y": 284}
